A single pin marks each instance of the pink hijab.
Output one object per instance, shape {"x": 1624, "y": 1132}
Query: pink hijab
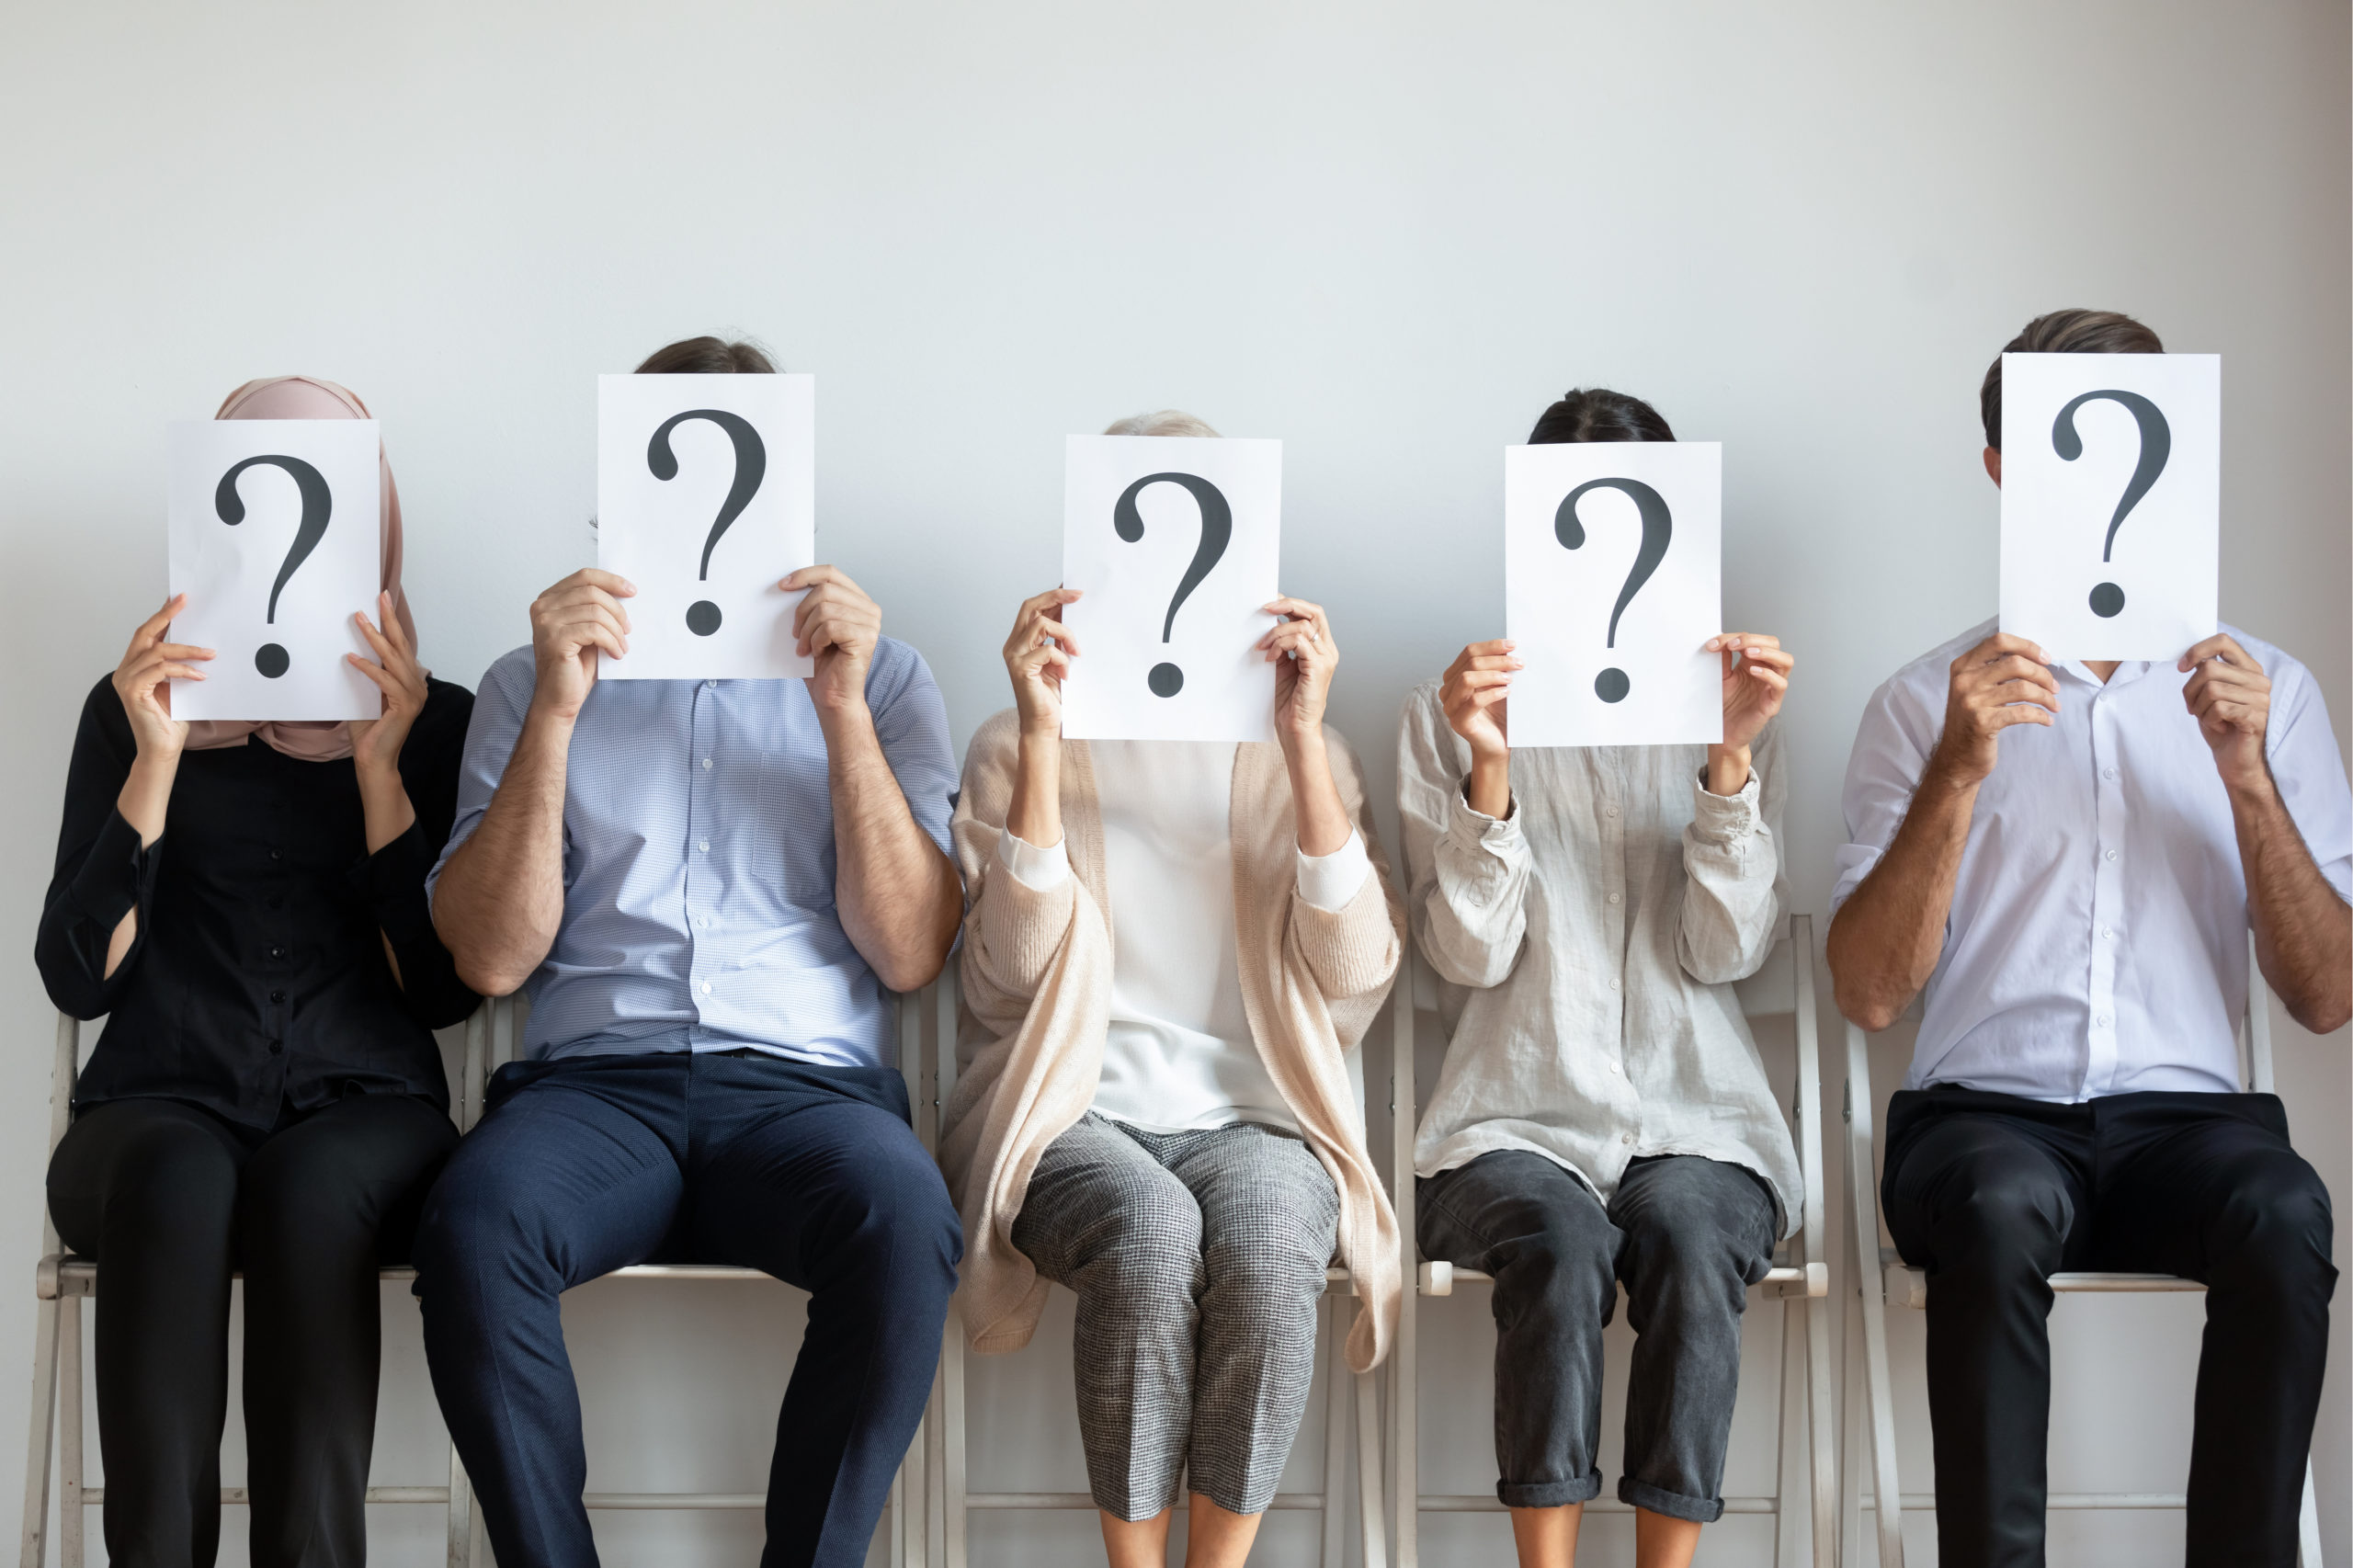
{"x": 307, "y": 397}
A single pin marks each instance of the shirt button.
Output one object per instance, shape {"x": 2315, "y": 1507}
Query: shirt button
{"x": 706, "y": 765}
{"x": 2111, "y": 854}
{"x": 278, "y": 1048}
{"x": 1626, "y": 1138}
{"x": 1609, "y": 811}
{"x": 2108, "y": 773}
{"x": 277, "y": 952}
{"x": 706, "y": 987}
{"x": 1613, "y": 985}
{"x": 277, "y": 995}
{"x": 1614, "y": 1068}
{"x": 276, "y": 856}
{"x": 704, "y": 845}
{"x": 711, "y": 686}
{"x": 2109, "y": 933}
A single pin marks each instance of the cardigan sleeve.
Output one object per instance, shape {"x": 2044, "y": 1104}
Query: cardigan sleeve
{"x": 1352, "y": 953}
{"x": 1012, "y": 929}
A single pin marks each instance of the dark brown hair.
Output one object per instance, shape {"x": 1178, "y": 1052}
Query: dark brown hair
{"x": 1596, "y": 414}
{"x": 2062, "y": 332}
{"x": 707, "y": 357}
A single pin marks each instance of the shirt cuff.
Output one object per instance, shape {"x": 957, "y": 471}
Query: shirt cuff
{"x": 1040, "y": 870}
{"x": 392, "y": 879}
{"x": 1330, "y": 881}
{"x": 117, "y": 874}
{"x": 1475, "y": 829}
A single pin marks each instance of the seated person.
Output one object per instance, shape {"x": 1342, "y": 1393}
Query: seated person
{"x": 708, "y": 886}
{"x": 246, "y": 903}
{"x": 2072, "y": 908}
{"x": 1170, "y": 951}
{"x": 1602, "y": 1115}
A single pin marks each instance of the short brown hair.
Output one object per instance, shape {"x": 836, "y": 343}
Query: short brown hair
{"x": 1596, "y": 414}
{"x": 2062, "y": 332}
{"x": 707, "y": 357}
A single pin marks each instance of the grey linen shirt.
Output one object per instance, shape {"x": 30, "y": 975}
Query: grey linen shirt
{"x": 1585, "y": 948}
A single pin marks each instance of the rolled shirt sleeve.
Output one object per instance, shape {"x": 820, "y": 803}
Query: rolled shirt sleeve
{"x": 1737, "y": 887}
{"x": 2310, "y": 773}
{"x": 1892, "y": 744}
{"x": 1467, "y": 873}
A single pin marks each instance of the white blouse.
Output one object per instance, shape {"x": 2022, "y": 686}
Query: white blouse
{"x": 1178, "y": 1055}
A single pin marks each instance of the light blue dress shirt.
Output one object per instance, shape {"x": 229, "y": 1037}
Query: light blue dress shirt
{"x": 2097, "y": 939}
{"x": 698, "y": 862}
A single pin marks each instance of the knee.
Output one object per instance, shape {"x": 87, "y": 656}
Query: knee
{"x": 1569, "y": 1255}
{"x": 2276, "y": 1232}
{"x": 2003, "y": 1220}
{"x": 171, "y": 1181}
{"x": 1145, "y": 1245}
{"x": 472, "y": 1227}
{"x": 897, "y": 1218}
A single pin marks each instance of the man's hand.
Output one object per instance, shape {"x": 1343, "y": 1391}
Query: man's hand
{"x": 1999, "y": 683}
{"x": 2231, "y": 698}
{"x": 837, "y": 626}
{"x": 571, "y": 623}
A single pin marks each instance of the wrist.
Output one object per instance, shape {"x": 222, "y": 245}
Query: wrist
{"x": 2249, "y": 783}
{"x": 1728, "y": 769}
{"x": 846, "y": 718}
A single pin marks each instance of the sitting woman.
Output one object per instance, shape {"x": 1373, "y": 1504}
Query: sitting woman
{"x": 245, "y": 902}
{"x": 1169, "y": 949}
{"x": 1602, "y": 1115}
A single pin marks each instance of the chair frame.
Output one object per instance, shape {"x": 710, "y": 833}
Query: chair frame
{"x": 956, "y": 1499}
{"x": 1872, "y": 1396}
{"x": 61, "y": 1281}
{"x": 1799, "y": 1280}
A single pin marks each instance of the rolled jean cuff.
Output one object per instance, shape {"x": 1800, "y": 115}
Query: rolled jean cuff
{"x": 1550, "y": 1493}
{"x": 1674, "y": 1505}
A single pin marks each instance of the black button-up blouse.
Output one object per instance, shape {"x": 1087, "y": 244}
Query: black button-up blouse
{"x": 257, "y": 982}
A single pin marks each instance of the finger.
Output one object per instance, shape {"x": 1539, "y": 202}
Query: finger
{"x": 1767, "y": 657}
{"x": 586, "y": 597}
{"x": 385, "y": 679}
{"x": 1297, "y": 608}
{"x": 1037, "y": 604}
{"x": 1994, "y": 647}
{"x": 591, "y": 631}
{"x": 1297, "y": 638}
{"x": 383, "y": 647}
{"x": 394, "y": 633}
{"x": 593, "y": 577}
{"x": 1492, "y": 649}
{"x": 147, "y": 669}
{"x": 1476, "y": 680}
{"x": 2014, "y": 668}
{"x": 812, "y": 576}
{"x": 1741, "y": 641}
{"x": 152, "y": 627}
{"x": 1492, "y": 662}
{"x": 2223, "y": 647}
{"x": 180, "y": 651}
{"x": 2021, "y": 713}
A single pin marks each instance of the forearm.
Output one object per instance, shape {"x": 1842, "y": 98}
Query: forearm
{"x": 1886, "y": 940}
{"x": 1488, "y": 790}
{"x": 384, "y": 806}
{"x": 1035, "y": 816}
{"x": 2303, "y": 932}
{"x": 896, "y": 893}
{"x": 500, "y": 900}
{"x": 1727, "y": 770}
{"x": 144, "y": 802}
{"x": 1324, "y": 824}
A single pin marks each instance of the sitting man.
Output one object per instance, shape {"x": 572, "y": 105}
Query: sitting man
{"x": 2073, "y": 906}
{"x": 708, "y": 886}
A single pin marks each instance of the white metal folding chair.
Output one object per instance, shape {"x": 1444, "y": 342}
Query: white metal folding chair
{"x": 1893, "y": 1283}
{"x": 904, "y": 1517}
{"x": 1799, "y": 1280}
{"x": 958, "y": 1499}
{"x": 62, "y": 1280}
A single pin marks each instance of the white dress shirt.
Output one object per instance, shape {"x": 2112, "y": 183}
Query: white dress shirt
{"x": 1586, "y": 948}
{"x": 2097, "y": 939}
{"x": 1178, "y": 1055}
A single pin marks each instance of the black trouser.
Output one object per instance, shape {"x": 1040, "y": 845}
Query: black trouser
{"x": 1993, "y": 1194}
{"x": 1689, "y": 1237}
{"x": 169, "y": 1198}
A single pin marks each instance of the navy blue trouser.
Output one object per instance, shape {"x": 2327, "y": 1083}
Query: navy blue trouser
{"x": 584, "y": 1165}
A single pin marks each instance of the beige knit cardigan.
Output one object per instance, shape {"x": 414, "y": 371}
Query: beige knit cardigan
{"x": 1037, "y": 994}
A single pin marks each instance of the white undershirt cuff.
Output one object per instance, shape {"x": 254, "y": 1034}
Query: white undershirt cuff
{"x": 1330, "y": 881}
{"x": 1040, "y": 870}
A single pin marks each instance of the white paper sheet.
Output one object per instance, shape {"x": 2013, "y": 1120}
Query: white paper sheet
{"x": 676, "y": 457}
{"x": 245, "y": 494}
{"x": 1158, "y": 660}
{"x": 1614, "y": 657}
{"x": 2111, "y": 502}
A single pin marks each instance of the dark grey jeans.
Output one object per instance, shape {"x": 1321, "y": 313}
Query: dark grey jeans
{"x": 1689, "y": 1237}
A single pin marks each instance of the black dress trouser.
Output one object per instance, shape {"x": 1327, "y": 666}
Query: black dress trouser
{"x": 1992, "y": 1194}
{"x": 170, "y": 1199}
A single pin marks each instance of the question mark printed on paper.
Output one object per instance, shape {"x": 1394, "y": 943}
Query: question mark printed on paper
{"x": 2156, "y": 447}
{"x": 1217, "y": 529}
{"x": 1658, "y": 529}
{"x": 318, "y": 501}
{"x": 751, "y": 467}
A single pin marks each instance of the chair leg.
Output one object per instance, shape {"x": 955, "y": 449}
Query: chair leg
{"x": 32, "y": 1549}
{"x": 1405, "y": 1424}
{"x": 2308, "y": 1525}
{"x": 1879, "y": 1388}
{"x": 934, "y": 1510}
{"x": 1790, "y": 1449}
{"x": 951, "y": 1422}
{"x": 70, "y": 1511}
{"x": 1369, "y": 1502}
{"x": 460, "y": 1543}
{"x": 1852, "y": 1441}
{"x": 1336, "y": 1432}
{"x": 1822, "y": 1430}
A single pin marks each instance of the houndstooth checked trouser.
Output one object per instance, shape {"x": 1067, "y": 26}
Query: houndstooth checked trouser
{"x": 1199, "y": 1260}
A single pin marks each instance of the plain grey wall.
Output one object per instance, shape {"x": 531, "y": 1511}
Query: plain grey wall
{"x": 1387, "y": 234}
